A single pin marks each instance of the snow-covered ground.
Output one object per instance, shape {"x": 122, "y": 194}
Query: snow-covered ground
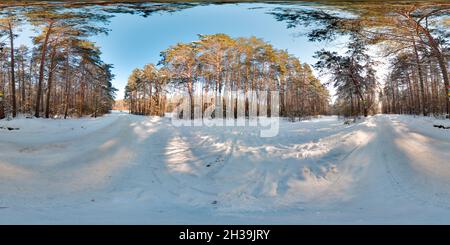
{"x": 125, "y": 169}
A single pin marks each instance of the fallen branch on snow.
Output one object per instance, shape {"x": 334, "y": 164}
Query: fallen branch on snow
{"x": 441, "y": 126}
{"x": 9, "y": 128}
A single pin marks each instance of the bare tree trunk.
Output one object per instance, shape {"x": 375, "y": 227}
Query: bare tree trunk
{"x": 411, "y": 96}
{"x": 67, "y": 89}
{"x": 13, "y": 81}
{"x": 281, "y": 91}
{"x": 422, "y": 87}
{"x": 191, "y": 98}
{"x": 150, "y": 98}
{"x": 49, "y": 83}
{"x": 41, "y": 71}
{"x": 23, "y": 94}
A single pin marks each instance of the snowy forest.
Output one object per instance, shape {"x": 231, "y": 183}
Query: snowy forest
{"x": 63, "y": 74}
{"x": 89, "y": 92}
{"x": 409, "y": 35}
{"x": 218, "y": 62}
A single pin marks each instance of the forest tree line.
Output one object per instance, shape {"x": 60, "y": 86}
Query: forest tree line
{"x": 216, "y": 64}
{"x": 62, "y": 74}
{"x": 413, "y": 37}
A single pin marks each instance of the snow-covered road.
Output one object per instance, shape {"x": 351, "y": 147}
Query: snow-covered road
{"x": 131, "y": 169}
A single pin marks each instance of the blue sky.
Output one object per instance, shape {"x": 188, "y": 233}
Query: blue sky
{"x": 135, "y": 41}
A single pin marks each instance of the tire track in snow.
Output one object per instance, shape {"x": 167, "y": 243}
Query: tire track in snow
{"x": 413, "y": 191}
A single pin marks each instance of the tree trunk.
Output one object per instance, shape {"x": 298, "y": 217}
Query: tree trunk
{"x": 67, "y": 89}
{"x": 411, "y": 96}
{"x": 49, "y": 84}
{"x": 150, "y": 98}
{"x": 23, "y": 94}
{"x": 13, "y": 81}
{"x": 281, "y": 91}
{"x": 441, "y": 61}
{"x": 422, "y": 87}
{"x": 191, "y": 99}
{"x": 41, "y": 70}
{"x": 446, "y": 82}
